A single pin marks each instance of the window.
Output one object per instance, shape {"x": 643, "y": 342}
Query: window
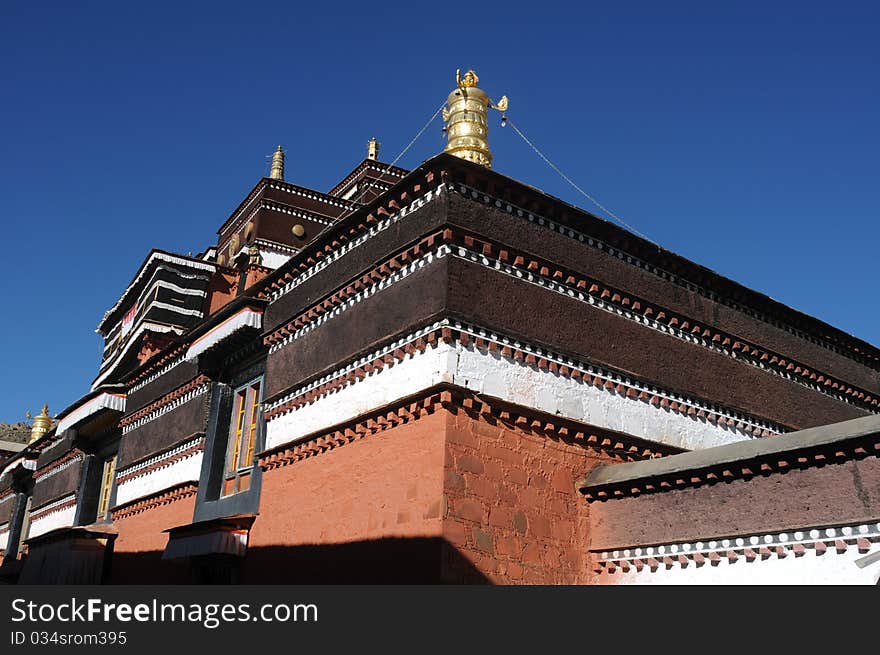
{"x": 107, "y": 474}
{"x": 242, "y": 438}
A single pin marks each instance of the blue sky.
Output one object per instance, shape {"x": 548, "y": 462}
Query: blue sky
{"x": 744, "y": 137}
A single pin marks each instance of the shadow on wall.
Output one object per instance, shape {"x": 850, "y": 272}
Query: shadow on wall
{"x": 417, "y": 560}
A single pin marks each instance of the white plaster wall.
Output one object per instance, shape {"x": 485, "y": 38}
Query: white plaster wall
{"x": 52, "y": 521}
{"x": 4, "y": 536}
{"x": 491, "y": 374}
{"x": 184, "y": 470}
{"x": 808, "y": 569}
{"x": 555, "y": 394}
{"x": 271, "y": 259}
{"x": 413, "y": 374}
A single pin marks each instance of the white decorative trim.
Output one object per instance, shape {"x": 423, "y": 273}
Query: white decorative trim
{"x": 343, "y": 250}
{"x": 570, "y": 291}
{"x": 265, "y": 244}
{"x": 352, "y": 178}
{"x": 49, "y": 507}
{"x": 357, "y": 363}
{"x": 61, "y": 518}
{"x": 156, "y": 375}
{"x": 363, "y": 185}
{"x": 231, "y": 221}
{"x": 101, "y": 401}
{"x": 805, "y": 556}
{"x": 111, "y": 342}
{"x": 292, "y": 189}
{"x": 177, "y": 309}
{"x": 187, "y": 469}
{"x": 158, "y": 458}
{"x": 243, "y": 319}
{"x": 110, "y": 364}
{"x": 287, "y": 209}
{"x": 311, "y": 195}
{"x": 4, "y": 536}
{"x": 76, "y": 459}
{"x": 174, "y": 404}
{"x": 509, "y": 380}
{"x": 381, "y": 285}
{"x": 519, "y": 212}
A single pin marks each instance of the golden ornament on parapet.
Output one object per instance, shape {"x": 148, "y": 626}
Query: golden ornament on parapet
{"x": 41, "y": 425}
{"x": 465, "y": 115}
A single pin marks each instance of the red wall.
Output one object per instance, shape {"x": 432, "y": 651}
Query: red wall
{"x": 137, "y": 553}
{"x": 352, "y": 500}
{"x": 512, "y": 507}
{"x": 451, "y": 497}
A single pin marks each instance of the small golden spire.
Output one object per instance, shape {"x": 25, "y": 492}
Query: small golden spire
{"x": 373, "y": 149}
{"x": 277, "y": 171}
{"x": 466, "y": 118}
{"x": 41, "y": 425}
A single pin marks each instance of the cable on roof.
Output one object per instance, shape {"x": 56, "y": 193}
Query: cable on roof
{"x": 576, "y": 187}
{"x": 355, "y": 201}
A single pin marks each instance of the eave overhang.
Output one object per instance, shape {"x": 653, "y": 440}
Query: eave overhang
{"x": 221, "y": 536}
{"x": 241, "y": 314}
{"x": 853, "y": 439}
{"x": 92, "y": 407}
{"x": 153, "y": 259}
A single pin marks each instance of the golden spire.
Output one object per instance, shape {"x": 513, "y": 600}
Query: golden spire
{"x": 373, "y": 149}
{"x": 467, "y": 125}
{"x": 41, "y": 424}
{"x": 277, "y": 171}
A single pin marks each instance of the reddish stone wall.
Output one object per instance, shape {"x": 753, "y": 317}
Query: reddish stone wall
{"x": 385, "y": 486}
{"x": 833, "y": 494}
{"x": 511, "y": 504}
{"x": 137, "y": 553}
{"x": 454, "y": 496}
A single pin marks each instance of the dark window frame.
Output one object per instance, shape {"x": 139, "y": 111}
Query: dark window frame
{"x": 91, "y": 482}
{"x": 245, "y": 421}
{"x": 210, "y": 501}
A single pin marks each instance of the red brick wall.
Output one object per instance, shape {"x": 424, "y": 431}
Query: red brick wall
{"x": 137, "y": 553}
{"x": 387, "y": 485}
{"x": 451, "y": 497}
{"x": 511, "y": 505}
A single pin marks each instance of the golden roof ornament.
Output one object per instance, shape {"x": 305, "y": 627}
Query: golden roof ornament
{"x": 466, "y": 118}
{"x": 470, "y": 79}
{"x": 254, "y": 256}
{"x": 373, "y": 149}
{"x": 41, "y": 425}
{"x": 277, "y": 170}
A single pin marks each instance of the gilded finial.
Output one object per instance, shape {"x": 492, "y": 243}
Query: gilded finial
{"x": 41, "y": 424}
{"x": 470, "y": 79}
{"x": 277, "y": 170}
{"x": 466, "y": 118}
{"x": 254, "y": 257}
{"x": 372, "y": 149}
